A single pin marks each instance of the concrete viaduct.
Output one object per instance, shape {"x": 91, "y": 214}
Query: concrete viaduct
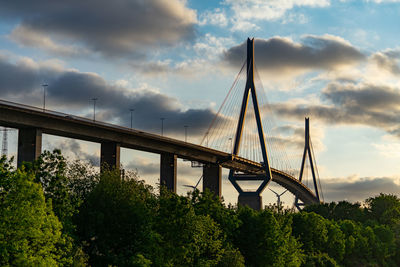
{"x": 32, "y": 122}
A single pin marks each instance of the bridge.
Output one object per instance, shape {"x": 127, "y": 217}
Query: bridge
{"x": 32, "y": 122}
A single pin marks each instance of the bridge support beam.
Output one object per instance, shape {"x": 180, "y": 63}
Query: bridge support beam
{"x": 212, "y": 174}
{"x": 168, "y": 171}
{"x": 29, "y": 145}
{"x": 251, "y": 199}
{"x": 109, "y": 155}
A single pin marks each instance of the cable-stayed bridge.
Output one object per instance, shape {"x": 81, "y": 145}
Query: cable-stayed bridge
{"x": 240, "y": 138}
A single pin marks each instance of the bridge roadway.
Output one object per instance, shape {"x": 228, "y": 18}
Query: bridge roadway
{"x": 60, "y": 124}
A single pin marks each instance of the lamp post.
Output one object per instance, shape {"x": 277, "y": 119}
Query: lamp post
{"x": 230, "y": 139}
{"x": 162, "y": 126}
{"x": 44, "y": 95}
{"x": 131, "y": 110}
{"x": 186, "y": 127}
{"x": 94, "y": 99}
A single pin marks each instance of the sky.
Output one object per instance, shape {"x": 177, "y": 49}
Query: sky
{"x": 337, "y": 62}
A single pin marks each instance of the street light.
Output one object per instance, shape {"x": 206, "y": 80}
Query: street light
{"x": 131, "y": 110}
{"x": 94, "y": 99}
{"x": 186, "y": 127}
{"x": 44, "y": 95}
{"x": 230, "y": 139}
{"x": 162, "y": 126}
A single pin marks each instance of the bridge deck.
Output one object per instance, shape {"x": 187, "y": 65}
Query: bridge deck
{"x": 66, "y": 125}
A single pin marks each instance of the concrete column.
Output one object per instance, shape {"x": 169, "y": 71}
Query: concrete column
{"x": 212, "y": 174}
{"x": 168, "y": 171}
{"x": 110, "y": 155}
{"x": 29, "y": 145}
{"x": 253, "y": 200}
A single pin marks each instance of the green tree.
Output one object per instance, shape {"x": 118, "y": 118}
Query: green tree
{"x": 319, "y": 235}
{"x": 264, "y": 241}
{"x": 385, "y": 209}
{"x": 207, "y": 203}
{"x": 66, "y": 186}
{"x": 116, "y": 221}
{"x": 188, "y": 239}
{"x": 50, "y": 171}
{"x": 29, "y": 231}
{"x": 343, "y": 210}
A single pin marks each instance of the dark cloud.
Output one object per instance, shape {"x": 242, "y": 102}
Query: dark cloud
{"x": 388, "y": 60}
{"x": 16, "y": 78}
{"x": 279, "y": 54}
{"x": 73, "y": 147}
{"x": 72, "y": 90}
{"x": 362, "y": 104}
{"x": 145, "y": 169}
{"x": 358, "y": 189}
{"x": 113, "y": 28}
{"x": 366, "y": 96}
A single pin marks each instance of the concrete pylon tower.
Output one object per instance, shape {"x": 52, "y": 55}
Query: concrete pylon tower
{"x": 250, "y": 198}
{"x": 307, "y": 151}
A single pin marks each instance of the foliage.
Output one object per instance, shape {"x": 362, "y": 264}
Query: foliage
{"x": 61, "y": 213}
{"x": 264, "y": 241}
{"x": 29, "y": 230}
{"x": 385, "y": 209}
{"x": 116, "y": 221}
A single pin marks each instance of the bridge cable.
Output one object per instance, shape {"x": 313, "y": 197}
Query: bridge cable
{"x": 279, "y": 149}
{"x": 316, "y": 169}
{"x": 223, "y": 103}
{"x": 221, "y": 127}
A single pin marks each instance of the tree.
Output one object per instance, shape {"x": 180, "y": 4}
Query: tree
{"x": 66, "y": 186}
{"x": 385, "y": 209}
{"x": 207, "y": 203}
{"x": 116, "y": 221}
{"x": 264, "y": 241}
{"x": 343, "y": 210}
{"x": 29, "y": 231}
{"x": 188, "y": 239}
{"x": 319, "y": 235}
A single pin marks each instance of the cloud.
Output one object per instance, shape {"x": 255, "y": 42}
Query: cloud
{"x": 146, "y": 167}
{"x": 388, "y": 61}
{"x": 352, "y": 104}
{"x": 206, "y": 51}
{"x": 245, "y": 11}
{"x": 216, "y": 17}
{"x": 283, "y": 56}
{"x": 111, "y": 28}
{"x": 72, "y": 90}
{"x": 25, "y": 37}
{"x": 71, "y": 147}
{"x": 383, "y": 1}
{"x": 358, "y": 189}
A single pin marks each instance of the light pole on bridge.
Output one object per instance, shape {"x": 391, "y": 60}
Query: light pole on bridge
{"x": 186, "y": 127}
{"x": 94, "y": 99}
{"x": 131, "y": 110}
{"x": 162, "y": 126}
{"x": 44, "y": 95}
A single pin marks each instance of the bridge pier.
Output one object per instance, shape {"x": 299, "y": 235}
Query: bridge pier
{"x": 168, "y": 171}
{"x": 212, "y": 174}
{"x": 251, "y": 199}
{"x": 109, "y": 155}
{"x": 29, "y": 145}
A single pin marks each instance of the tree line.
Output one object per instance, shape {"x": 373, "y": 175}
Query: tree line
{"x": 54, "y": 212}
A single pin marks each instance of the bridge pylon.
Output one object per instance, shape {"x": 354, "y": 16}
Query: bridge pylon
{"x": 307, "y": 151}
{"x": 250, "y": 198}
